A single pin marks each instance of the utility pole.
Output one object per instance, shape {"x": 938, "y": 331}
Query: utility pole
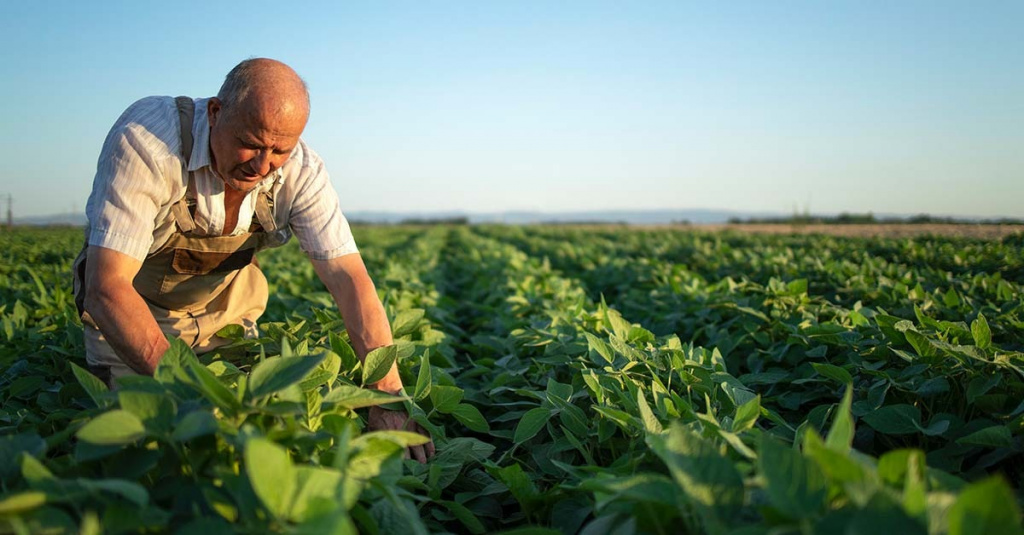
{"x": 10, "y": 211}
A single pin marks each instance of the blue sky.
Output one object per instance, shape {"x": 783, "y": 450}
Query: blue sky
{"x": 902, "y": 107}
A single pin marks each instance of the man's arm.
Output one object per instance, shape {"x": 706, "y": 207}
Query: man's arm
{"x": 367, "y": 324}
{"x": 119, "y": 311}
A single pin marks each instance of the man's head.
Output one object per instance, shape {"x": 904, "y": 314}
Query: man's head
{"x": 255, "y": 121}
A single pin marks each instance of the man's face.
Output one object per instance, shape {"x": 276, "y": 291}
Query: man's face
{"x": 251, "y": 141}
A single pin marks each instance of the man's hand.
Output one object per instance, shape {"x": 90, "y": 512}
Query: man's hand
{"x": 368, "y": 328}
{"x": 385, "y": 420}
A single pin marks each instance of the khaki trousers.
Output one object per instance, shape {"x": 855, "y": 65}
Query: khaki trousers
{"x": 240, "y": 303}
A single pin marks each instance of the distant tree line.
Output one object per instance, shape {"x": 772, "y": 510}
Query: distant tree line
{"x": 845, "y": 218}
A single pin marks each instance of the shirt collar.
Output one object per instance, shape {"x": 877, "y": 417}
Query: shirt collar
{"x": 201, "y": 137}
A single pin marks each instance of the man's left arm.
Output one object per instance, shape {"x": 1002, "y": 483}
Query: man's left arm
{"x": 367, "y": 325}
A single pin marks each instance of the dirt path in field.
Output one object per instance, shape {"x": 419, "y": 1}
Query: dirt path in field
{"x": 988, "y": 232}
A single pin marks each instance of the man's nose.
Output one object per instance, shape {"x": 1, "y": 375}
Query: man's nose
{"x": 262, "y": 163}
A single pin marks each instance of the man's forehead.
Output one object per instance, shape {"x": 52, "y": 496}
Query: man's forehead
{"x": 279, "y": 133}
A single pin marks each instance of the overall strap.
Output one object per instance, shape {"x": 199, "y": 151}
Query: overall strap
{"x": 186, "y": 113}
{"x": 265, "y": 211}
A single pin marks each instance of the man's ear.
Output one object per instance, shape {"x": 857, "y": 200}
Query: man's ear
{"x": 213, "y": 108}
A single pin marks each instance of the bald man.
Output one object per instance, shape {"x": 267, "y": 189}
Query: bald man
{"x": 186, "y": 192}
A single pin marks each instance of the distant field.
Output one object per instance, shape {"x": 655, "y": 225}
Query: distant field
{"x": 877, "y": 230}
{"x": 575, "y": 380}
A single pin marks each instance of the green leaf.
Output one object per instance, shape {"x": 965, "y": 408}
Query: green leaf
{"x": 32, "y": 470}
{"x": 465, "y": 516}
{"x": 985, "y": 507}
{"x": 353, "y": 397}
{"x": 519, "y": 483}
{"x": 21, "y": 502}
{"x": 11, "y": 448}
{"x": 318, "y": 491}
{"x": 531, "y": 423}
{"x": 271, "y": 475}
{"x": 600, "y": 352}
{"x": 880, "y": 517}
{"x": 797, "y": 287}
{"x": 195, "y": 424}
{"x": 378, "y": 363}
{"x": 643, "y": 488}
{"x": 981, "y": 332}
{"x": 373, "y": 452}
{"x": 840, "y": 437}
{"x": 92, "y": 385}
{"x": 795, "y": 486}
{"x": 424, "y": 379}
{"x": 572, "y": 416}
{"x": 445, "y": 398}
{"x": 893, "y": 465}
{"x": 997, "y": 436}
{"x": 114, "y": 428}
{"x": 277, "y": 373}
{"x": 558, "y": 390}
{"x": 174, "y": 363}
{"x": 212, "y": 389}
{"x": 746, "y": 415}
{"x": 232, "y": 332}
{"x": 651, "y": 423}
{"x": 128, "y": 490}
{"x": 839, "y": 468}
{"x": 344, "y": 351}
{"x": 530, "y": 531}
{"x": 895, "y": 419}
{"x": 951, "y": 299}
{"x": 155, "y": 410}
{"x": 406, "y": 322}
{"x": 401, "y": 438}
{"x": 710, "y": 480}
{"x": 979, "y": 386}
{"x": 325, "y": 372}
{"x": 470, "y": 417}
{"x": 835, "y": 373}
{"x": 922, "y": 344}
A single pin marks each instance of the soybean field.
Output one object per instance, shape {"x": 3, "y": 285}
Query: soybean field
{"x": 574, "y": 380}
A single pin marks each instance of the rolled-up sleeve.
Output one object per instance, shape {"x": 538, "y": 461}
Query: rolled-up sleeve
{"x": 316, "y": 217}
{"x": 131, "y": 180}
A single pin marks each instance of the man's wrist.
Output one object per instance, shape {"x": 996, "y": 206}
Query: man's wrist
{"x": 395, "y": 389}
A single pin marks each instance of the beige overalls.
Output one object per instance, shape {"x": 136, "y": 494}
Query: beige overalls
{"x": 194, "y": 284}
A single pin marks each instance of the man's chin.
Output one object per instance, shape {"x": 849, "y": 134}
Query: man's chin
{"x": 244, "y": 184}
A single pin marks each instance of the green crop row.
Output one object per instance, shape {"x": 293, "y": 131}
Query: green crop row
{"x": 573, "y": 381}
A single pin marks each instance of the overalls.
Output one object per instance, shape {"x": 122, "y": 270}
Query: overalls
{"x": 194, "y": 284}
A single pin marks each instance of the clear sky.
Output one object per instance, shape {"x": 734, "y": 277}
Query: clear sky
{"x": 890, "y": 107}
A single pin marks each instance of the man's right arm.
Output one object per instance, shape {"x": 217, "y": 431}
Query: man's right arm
{"x": 119, "y": 311}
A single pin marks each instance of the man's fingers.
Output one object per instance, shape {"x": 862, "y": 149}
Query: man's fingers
{"x": 418, "y": 454}
{"x": 428, "y": 448}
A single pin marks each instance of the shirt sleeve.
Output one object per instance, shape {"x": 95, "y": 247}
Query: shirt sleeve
{"x": 131, "y": 184}
{"x": 316, "y": 217}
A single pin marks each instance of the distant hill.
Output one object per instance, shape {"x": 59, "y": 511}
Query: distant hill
{"x": 641, "y": 217}
{"x": 75, "y": 220}
{"x": 633, "y": 217}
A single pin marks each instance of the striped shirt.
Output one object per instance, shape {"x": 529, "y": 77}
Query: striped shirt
{"x": 139, "y": 177}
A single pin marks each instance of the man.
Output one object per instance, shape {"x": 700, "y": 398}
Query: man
{"x": 186, "y": 191}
